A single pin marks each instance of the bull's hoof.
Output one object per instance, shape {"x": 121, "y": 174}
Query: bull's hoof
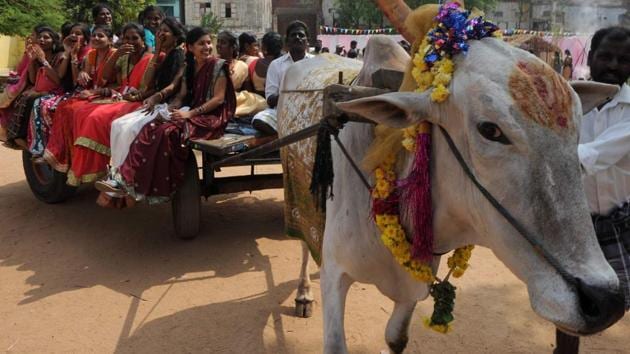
{"x": 303, "y": 308}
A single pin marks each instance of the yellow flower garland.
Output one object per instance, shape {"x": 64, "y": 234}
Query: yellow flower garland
{"x": 393, "y": 236}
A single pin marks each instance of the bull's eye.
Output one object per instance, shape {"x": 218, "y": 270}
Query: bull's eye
{"x": 492, "y": 132}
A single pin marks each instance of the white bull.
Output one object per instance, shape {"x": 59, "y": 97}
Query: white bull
{"x": 534, "y": 173}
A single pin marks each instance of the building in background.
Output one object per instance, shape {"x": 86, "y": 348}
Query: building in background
{"x": 560, "y": 15}
{"x": 237, "y": 15}
{"x": 308, "y": 11}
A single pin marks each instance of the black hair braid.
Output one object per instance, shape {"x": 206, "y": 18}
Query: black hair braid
{"x": 169, "y": 67}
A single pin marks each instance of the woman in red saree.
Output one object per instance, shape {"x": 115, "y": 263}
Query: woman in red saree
{"x": 92, "y": 83}
{"x": 154, "y": 167}
{"x": 92, "y": 123}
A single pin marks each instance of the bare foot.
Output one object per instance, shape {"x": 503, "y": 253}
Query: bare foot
{"x": 21, "y": 143}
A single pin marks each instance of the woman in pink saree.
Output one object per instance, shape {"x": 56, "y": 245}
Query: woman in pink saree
{"x": 43, "y": 77}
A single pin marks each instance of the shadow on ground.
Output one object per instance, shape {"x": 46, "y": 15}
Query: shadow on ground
{"x": 77, "y": 244}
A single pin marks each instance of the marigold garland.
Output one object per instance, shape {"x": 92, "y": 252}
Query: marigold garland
{"x": 432, "y": 69}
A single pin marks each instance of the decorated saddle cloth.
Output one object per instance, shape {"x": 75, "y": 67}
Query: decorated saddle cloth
{"x": 301, "y": 109}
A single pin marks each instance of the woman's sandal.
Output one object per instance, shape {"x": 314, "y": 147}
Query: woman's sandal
{"x": 110, "y": 186}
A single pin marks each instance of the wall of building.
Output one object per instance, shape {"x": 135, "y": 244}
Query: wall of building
{"x": 244, "y": 15}
{"x": 308, "y": 11}
{"x": 11, "y": 50}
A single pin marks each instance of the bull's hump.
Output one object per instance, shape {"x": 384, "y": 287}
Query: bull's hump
{"x": 542, "y": 96}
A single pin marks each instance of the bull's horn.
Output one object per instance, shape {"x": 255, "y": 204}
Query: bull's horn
{"x": 396, "y": 12}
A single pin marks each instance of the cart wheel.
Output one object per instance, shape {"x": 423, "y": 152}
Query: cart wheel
{"x": 47, "y": 184}
{"x": 187, "y": 203}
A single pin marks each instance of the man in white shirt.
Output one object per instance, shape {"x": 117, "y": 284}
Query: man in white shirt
{"x": 604, "y": 153}
{"x": 297, "y": 44}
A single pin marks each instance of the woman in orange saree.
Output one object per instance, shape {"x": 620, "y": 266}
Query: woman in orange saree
{"x": 91, "y": 84}
{"x": 92, "y": 124}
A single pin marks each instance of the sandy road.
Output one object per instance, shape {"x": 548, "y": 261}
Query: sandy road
{"x": 78, "y": 278}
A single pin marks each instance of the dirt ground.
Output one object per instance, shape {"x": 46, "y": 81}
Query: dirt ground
{"x": 78, "y": 278}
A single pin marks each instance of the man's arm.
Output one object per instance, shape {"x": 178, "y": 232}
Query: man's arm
{"x": 272, "y": 84}
{"x": 606, "y": 150}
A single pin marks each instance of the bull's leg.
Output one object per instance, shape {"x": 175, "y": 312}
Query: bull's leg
{"x": 335, "y": 285}
{"x": 304, "y": 297}
{"x": 397, "y": 330}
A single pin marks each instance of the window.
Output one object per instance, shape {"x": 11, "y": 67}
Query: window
{"x": 205, "y": 8}
{"x": 170, "y": 7}
{"x": 228, "y": 10}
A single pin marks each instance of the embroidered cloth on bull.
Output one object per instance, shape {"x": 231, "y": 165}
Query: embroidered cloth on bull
{"x": 301, "y": 110}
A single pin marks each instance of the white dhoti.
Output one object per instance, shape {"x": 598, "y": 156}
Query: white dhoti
{"x": 268, "y": 116}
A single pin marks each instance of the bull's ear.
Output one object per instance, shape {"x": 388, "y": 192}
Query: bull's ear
{"x": 593, "y": 94}
{"x": 396, "y": 109}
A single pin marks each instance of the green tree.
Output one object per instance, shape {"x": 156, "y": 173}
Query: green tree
{"x": 365, "y": 13}
{"x": 18, "y": 17}
{"x": 357, "y": 13}
{"x": 211, "y": 22}
{"x": 124, "y": 10}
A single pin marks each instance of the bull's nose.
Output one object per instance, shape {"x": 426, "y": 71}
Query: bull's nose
{"x": 600, "y": 307}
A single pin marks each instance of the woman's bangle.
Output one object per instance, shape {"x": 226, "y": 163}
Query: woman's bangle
{"x": 45, "y": 63}
{"x": 161, "y": 96}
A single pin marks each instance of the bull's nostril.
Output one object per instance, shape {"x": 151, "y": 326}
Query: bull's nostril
{"x": 588, "y": 304}
{"x": 600, "y": 307}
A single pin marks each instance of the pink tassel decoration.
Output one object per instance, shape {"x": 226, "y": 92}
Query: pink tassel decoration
{"x": 416, "y": 199}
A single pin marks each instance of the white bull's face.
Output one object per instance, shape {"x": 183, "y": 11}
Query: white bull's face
{"x": 516, "y": 123}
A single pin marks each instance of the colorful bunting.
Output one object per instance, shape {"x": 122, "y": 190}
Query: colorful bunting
{"x": 355, "y": 31}
{"x": 511, "y": 32}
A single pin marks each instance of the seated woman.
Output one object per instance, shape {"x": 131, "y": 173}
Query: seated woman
{"x": 247, "y": 102}
{"x": 155, "y": 165}
{"x": 272, "y": 49}
{"x": 161, "y": 88}
{"x": 43, "y": 78}
{"x": 91, "y": 83}
{"x": 248, "y": 50}
{"x": 227, "y": 49}
{"x": 16, "y": 84}
{"x": 76, "y": 47}
{"x": 92, "y": 123}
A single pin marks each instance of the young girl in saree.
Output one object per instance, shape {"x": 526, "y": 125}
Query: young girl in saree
{"x": 92, "y": 124}
{"x": 43, "y": 76}
{"x": 76, "y": 47}
{"x": 91, "y": 84}
{"x": 155, "y": 165}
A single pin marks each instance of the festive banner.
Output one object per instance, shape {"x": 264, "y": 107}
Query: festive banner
{"x": 355, "y": 31}
{"x": 511, "y": 32}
